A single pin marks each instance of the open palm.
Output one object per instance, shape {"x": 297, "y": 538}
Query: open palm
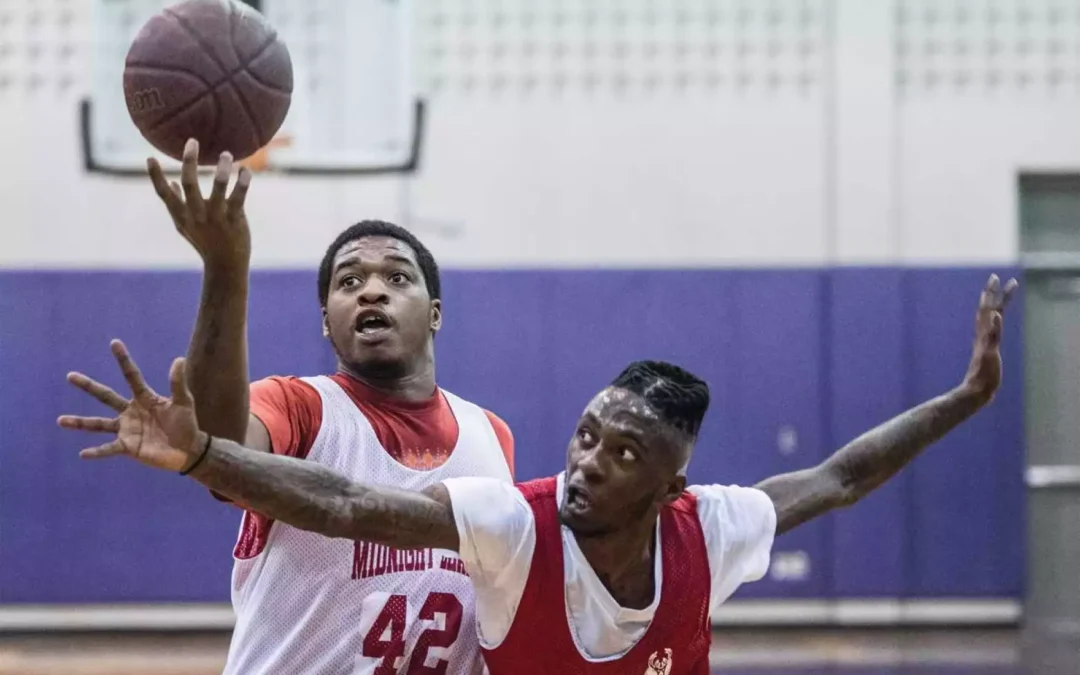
{"x": 158, "y": 431}
{"x": 984, "y": 370}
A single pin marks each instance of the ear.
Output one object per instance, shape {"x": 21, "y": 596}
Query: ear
{"x": 674, "y": 490}
{"x": 436, "y": 316}
{"x": 325, "y": 324}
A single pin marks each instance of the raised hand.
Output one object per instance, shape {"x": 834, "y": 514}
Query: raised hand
{"x": 984, "y": 372}
{"x": 158, "y": 431}
{"x": 217, "y": 227}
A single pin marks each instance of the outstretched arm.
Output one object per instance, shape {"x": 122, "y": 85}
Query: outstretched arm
{"x": 217, "y": 228}
{"x": 868, "y": 461}
{"x": 164, "y": 433}
{"x": 311, "y": 497}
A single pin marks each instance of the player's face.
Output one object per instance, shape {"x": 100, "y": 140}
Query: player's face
{"x": 622, "y": 464}
{"x": 378, "y": 314}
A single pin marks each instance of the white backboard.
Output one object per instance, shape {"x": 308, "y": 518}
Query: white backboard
{"x": 354, "y": 106}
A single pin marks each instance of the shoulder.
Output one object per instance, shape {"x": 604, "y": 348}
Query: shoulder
{"x": 291, "y": 410}
{"x": 736, "y": 521}
{"x": 730, "y": 498}
{"x": 283, "y": 388}
{"x": 537, "y": 489}
{"x": 502, "y": 430}
{"x": 733, "y": 513}
{"x": 480, "y": 490}
{"x": 490, "y": 514}
{"x": 738, "y": 524}
{"x": 505, "y": 437}
{"x": 490, "y": 505}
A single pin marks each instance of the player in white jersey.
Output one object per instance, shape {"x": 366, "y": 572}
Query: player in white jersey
{"x": 305, "y": 603}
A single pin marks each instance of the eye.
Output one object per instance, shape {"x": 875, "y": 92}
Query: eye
{"x": 585, "y": 436}
{"x": 349, "y": 280}
{"x": 399, "y": 278}
{"x": 626, "y": 454}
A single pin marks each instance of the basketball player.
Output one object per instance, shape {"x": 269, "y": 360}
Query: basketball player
{"x": 305, "y": 603}
{"x": 612, "y": 567}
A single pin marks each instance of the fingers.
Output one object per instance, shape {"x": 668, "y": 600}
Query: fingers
{"x": 131, "y": 371}
{"x": 181, "y": 222}
{"x": 988, "y": 298}
{"x": 178, "y": 383}
{"x": 102, "y": 451}
{"x": 994, "y": 334}
{"x": 172, "y": 198}
{"x": 94, "y": 424}
{"x": 1010, "y": 290}
{"x": 994, "y": 297}
{"x": 189, "y": 179}
{"x": 98, "y": 391}
{"x": 221, "y": 181}
{"x": 240, "y": 190}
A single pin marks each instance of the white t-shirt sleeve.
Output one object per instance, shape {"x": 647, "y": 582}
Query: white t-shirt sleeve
{"x": 498, "y": 536}
{"x": 739, "y": 525}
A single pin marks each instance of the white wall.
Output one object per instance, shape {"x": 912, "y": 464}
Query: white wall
{"x": 696, "y": 132}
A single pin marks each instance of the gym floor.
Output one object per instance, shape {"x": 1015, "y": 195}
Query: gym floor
{"x": 739, "y": 652}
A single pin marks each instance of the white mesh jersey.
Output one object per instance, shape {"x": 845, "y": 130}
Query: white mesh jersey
{"x": 314, "y": 605}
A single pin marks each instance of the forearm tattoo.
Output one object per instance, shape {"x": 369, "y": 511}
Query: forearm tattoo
{"x": 866, "y": 462}
{"x": 311, "y": 497}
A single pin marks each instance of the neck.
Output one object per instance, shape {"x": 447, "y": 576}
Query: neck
{"x": 417, "y": 385}
{"x": 623, "y": 561}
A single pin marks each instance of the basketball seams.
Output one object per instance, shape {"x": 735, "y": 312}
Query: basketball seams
{"x": 180, "y": 21}
{"x": 180, "y": 111}
{"x": 268, "y": 89}
{"x": 255, "y": 76}
{"x": 174, "y": 70}
{"x": 259, "y": 53}
{"x": 220, "y": 116}
{"x": 209, "y": 49}
{"x": 233, "y": 11}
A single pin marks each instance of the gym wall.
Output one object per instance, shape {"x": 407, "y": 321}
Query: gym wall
{"x": 807, "y": 224}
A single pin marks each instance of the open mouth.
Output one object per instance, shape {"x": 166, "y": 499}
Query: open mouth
{"x": 372, "y": 324}
{"x": 577, "y": 498}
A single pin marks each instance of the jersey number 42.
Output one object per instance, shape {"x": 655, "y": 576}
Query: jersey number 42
{"x": 385, "y": 646}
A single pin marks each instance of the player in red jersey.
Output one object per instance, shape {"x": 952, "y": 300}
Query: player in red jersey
{"x": 305, "y": 603}
{"x": 612, "y": 567}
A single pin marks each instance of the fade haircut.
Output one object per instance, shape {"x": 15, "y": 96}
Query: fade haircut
{"x": 380, "y": 228}
{"x": 679, "y": 397}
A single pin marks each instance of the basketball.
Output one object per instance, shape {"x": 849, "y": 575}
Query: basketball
{"x": 212, "y": 70}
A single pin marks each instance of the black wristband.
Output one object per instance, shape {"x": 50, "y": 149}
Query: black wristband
{"x": 198, "y": 461}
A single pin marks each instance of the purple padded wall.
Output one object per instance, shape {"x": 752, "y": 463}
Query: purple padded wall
{"x": 827, "y": 352}
{"x": 868, "y": 378}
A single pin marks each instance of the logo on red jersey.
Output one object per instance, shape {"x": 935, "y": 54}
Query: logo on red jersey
{"x": 659, "y": 663}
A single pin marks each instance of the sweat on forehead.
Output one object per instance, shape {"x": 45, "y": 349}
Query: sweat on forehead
{"x": 614, "y": 399}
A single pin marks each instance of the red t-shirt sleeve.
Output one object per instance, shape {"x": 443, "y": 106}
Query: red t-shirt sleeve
{"x": 291, "y": 411}
{"x": 506, "y": 438}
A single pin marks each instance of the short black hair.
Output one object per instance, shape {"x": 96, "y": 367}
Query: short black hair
{"x": 678, "y": 396}
{"x": 380, "y": 228}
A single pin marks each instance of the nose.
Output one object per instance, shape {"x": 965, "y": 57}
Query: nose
{"x": 589, "y": 464}
{"x": 373, "y": 292}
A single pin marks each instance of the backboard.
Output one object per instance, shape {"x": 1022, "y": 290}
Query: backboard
{"x": 354, "y": 108}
